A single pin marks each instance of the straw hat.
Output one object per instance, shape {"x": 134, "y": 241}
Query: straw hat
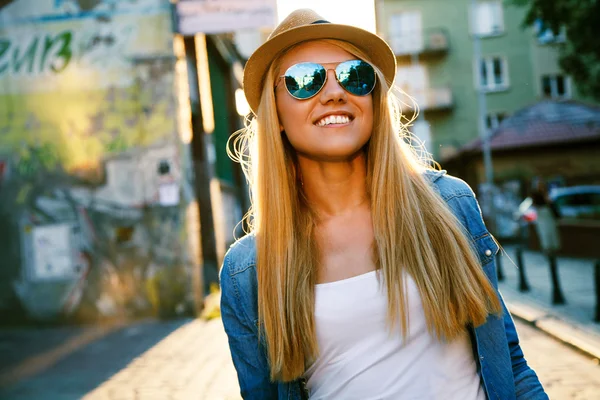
{"x": 305, "y": 24}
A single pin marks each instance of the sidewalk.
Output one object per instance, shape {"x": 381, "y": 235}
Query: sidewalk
{"x": 571, "y": 323}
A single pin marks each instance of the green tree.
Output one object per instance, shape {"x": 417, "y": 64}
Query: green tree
{"x": 580, "y": 54}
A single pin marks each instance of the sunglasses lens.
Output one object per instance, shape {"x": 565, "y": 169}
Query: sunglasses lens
{"x": 304, "y": 80}
{"x": 356, "y": 76}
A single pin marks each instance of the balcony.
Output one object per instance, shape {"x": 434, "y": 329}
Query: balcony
{"x": 431, "y": 41}
{"x": 432, "y": 99}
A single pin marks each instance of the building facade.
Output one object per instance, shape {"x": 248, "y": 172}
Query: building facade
{"x": 433, "y": 41}
{"x": 117, "y": 198}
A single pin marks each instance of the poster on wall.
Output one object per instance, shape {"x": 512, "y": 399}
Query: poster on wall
{"x": 52, "y": 252}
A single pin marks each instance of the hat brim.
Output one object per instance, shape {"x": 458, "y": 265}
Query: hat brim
{"x": 258, "y": 64}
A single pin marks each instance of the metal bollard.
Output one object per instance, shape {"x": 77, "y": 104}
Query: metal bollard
{"x": 557, "y": 295}
{"x": 499, "y": 270}
{"x": 523, "y": 285}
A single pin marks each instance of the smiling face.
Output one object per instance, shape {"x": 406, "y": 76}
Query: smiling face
{"x": 333, "y": 125}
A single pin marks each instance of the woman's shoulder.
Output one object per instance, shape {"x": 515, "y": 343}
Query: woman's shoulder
{"x": 461, "y": 200}
{"x": 241, "y": 256}
{"x": 446, "y": 185}
{"x": 239, "y": 288}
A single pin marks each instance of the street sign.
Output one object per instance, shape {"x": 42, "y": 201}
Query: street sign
{"x": 219, "y": 16}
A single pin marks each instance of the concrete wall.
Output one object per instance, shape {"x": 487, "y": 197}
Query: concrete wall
{"x": 95, "y": 183}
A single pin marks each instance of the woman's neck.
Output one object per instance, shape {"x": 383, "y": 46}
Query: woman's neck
{"x": 334, "y": 188}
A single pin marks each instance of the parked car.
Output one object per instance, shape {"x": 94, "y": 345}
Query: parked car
{"x": 574, "y": 202}
{"x": 581, "y": 202}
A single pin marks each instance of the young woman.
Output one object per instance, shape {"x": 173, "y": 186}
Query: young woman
{"x": 366, "y": 275}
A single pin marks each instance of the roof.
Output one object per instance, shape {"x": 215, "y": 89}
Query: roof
{"x": 547, "y": 123}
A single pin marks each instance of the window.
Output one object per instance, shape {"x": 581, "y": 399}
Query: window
{"x": 556, "y": 87}
{"x": 545, "y": 35}
{"x": 414, "y": 80}
{"x": 412, "y": 77}
{"x": 487, "y": 18}
{"x": 493, "y": 74}
{"x": 493, "y": 120}
{"x": 406, "y": 32}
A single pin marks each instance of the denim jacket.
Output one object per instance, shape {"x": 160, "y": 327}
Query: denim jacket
{"x": 500, "y": 362}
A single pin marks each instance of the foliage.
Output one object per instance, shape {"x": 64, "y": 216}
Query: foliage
{"x": 580, "y": 55}
{"x": 212, "y": 303}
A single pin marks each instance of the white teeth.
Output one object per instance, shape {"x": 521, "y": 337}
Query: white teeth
{"x": 333, "y": 119}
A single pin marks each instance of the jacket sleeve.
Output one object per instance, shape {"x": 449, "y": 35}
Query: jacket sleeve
{"x": 466, "y": 208}
{"x": 527, "y": 384}
{"x": 248, "y": 355}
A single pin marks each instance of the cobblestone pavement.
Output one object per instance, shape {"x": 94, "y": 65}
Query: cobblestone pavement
{"x": 564, "y": 372}
{"x": 191, "y": 363}
{"x": 190, "y": 359}
{"x": 186, "y": 359}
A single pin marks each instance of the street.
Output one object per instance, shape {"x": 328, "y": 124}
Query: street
{"x": 189, "y": 359}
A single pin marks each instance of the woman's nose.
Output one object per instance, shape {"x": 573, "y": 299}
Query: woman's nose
{"x": 332, "y": 92}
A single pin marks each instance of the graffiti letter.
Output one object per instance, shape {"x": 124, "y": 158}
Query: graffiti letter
{"x": 65, "y": 51}
{"x": 48, "y": 42}
{"x": 4, "y": 45}
{"x": 29, "y": 55}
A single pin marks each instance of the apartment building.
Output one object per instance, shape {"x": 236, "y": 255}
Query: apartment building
{"x": 434, "y": 44}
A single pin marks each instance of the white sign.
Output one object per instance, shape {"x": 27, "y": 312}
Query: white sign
{"x": 52, "y": 252}
{"x": 168, "y": 194}
{"x": 219, "y": 16}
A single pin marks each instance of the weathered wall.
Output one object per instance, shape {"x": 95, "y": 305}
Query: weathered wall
{"x": 93, "y": 194}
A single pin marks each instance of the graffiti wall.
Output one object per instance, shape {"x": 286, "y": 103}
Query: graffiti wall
{"x": 92, "y": 193}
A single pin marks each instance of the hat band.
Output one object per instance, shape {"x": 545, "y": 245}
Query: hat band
{"x": 321, "y": 21}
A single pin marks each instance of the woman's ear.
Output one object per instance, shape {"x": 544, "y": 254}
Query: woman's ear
{"x": 281, "y": 128}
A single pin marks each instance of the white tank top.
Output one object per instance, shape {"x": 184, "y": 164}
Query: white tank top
{"x": 359, "y": 359}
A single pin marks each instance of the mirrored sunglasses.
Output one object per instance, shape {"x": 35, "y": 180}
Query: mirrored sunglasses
{"x": 305, "y": 80}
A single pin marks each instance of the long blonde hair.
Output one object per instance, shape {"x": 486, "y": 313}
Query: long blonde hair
{"x": 414, "y": 232}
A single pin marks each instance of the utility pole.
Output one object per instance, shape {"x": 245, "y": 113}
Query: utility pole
{"x": 481, "y": 119}
{"x": 203, "y": 173}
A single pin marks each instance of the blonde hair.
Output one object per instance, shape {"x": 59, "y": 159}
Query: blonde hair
{"x": 414, "y": 232}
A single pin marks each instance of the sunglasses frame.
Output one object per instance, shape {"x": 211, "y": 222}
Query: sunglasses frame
{"x": 323, "y": 65}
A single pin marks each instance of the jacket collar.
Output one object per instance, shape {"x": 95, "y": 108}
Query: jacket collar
{"x": 433, "y": 175}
